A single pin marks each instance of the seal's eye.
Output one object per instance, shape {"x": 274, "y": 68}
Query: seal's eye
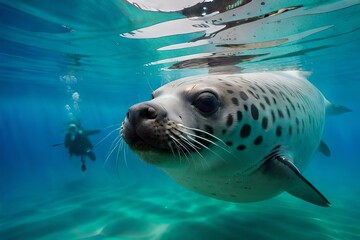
{"x": 207, "y": 103}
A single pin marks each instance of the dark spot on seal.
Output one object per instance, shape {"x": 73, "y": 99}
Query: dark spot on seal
{"x": 292, "y": 105}
{"x": 264, "y": 123}
{"x": 274, "y": 100}
{"x": 273, "y": 116}
{"x": 267, "y": 100}
{"x": 290, "y": 130}
{"x": 281, "y": 115}
{"x": 243, "y": 96}
{"x": 272, "y": 91}
{"x": 209, "y": 129}
{"x": 235, "y": 101}
{"x": 241, "y": 147}
{"x": 229, "y": 144}
{"x": 262, "y": 106}
{"x": 278, "y": 131}
{"x": 245, "y": 131}
{"x": 303, "y": 108}
{"x": 246, "y": 107}
{"x": 224, "y": 131}
{"x": 239, "y": 115}
{"x": 282, "y": 94}
{"x": 229, "y": 120}
{"x": 253, "y": 94}
{"x": 260, "y": 88}
{"x": 258, "y": 140}
{"x": 254, "y": 112}
{"x": 230, "y": 91}
{"x": 297, "y": 121}
{"x": 288, "y": 111}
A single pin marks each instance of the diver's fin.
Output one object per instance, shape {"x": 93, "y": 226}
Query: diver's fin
{"x": 296, "y": 185}
{"x": 91, "y": 155}
{"x": 334, "y": 109}
{"x": 324, "y": 149}
{"x": 57, "y": 144}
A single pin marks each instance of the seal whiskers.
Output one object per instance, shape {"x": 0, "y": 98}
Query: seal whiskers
{"x": 108, "y": 135}
{"x": 171, "y": 148}
{"x": 185, "y": 139}
{"x": 186, "y": 145}
{"x": 178, "y": 149}
{"x": 124, "y": 147}
{"x": 190, "y": 136}
{"x": 204, "y": 132}
{"x": 116, "y": 144}
{"x": 195, "y": 148}
{"x": 180, "y": 146}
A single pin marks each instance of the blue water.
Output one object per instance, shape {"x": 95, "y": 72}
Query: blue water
{"x": 112, "y": 54}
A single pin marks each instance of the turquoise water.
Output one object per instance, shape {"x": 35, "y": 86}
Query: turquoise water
{"x": 94, "y": 59}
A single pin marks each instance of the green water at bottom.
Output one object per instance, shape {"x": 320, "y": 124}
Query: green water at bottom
{"x": 143, "y": 212}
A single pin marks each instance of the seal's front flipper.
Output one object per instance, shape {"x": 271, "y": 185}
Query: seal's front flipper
{"x": 335, "y": 109}
{"x": 295, "y": 183}
{"x": 324, "y": 149}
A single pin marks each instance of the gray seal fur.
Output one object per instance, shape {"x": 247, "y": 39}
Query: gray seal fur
{"x": 236, "y": 137}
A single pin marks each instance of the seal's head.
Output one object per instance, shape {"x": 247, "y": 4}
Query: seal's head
{"x": 181, "y": 120}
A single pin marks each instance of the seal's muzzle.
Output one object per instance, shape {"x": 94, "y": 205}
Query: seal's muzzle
{"x": 145, "y": 125}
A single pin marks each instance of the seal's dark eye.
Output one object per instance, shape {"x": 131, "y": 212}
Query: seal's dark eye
{"x": 207, "y": 103}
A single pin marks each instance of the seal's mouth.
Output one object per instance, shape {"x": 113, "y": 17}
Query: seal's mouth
{"x": 143, "y": 138}
{"x": 141, "y": 146}
{"x": 149, "y": 150}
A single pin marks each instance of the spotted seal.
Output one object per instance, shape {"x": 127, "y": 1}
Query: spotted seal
{"x": 236, "y": 137}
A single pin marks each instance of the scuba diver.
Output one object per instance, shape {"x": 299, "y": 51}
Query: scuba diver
{"x": 78, "y": 143}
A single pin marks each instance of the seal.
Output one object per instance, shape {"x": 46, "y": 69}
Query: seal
{"x": 237, "y": 137}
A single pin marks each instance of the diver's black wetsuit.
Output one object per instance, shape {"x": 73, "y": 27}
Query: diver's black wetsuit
{"x": 80, "y": 145}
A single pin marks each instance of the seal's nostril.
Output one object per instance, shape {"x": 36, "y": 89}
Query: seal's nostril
{"x": 151, "y": 113}
{"x": 128, "y": 115}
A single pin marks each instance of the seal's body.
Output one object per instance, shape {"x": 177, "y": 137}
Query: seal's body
{"x": 236, "y": 137}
